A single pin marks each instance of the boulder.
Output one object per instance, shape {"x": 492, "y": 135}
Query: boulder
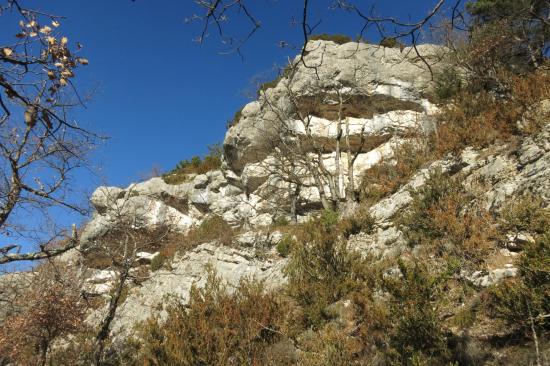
{"x": 145, "y": 257}
{"x": 483, "y": 279}
{"x": 104, "y": 197}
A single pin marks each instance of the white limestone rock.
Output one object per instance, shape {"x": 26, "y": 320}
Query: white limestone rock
{"x": 483, "y": 279}
{"x": 230, "y": 264}
{"x": 355, "y": 68}
{"x": 103, "y": 197}
{"x": 146, "y": 257}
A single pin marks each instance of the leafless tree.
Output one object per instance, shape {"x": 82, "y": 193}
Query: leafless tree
{"x": 301, "y": 159}
{"x": 118, "y": 252}
{"x": 41, "y": 146}
{"x": 216, "y": 14}
{"x": 48, "y": 309}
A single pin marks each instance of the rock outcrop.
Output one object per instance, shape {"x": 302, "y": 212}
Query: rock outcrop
{"x": 385, "y": 91}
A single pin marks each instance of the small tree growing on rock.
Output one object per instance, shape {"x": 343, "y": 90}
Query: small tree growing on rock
{"x": 117, "y": 251}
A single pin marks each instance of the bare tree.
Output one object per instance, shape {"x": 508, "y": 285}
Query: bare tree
{"x": 216, "y": 14}
{"x": 305, "y": 155}
{"x": 49, "y": 309}
{"x": 41, "y": 146}
{"x": 118, "y": 252}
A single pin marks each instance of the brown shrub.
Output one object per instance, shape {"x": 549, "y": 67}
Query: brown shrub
{"x": 143, "y": 240}
{"x": 215, "y": 328}
{"x": 387, "y": 177}
{"x": 49, "y": 310}
{"x": 443, "y": 219}
{"x": 357, "y": 106}
{"x": 480, "y": 118}
{"x": 211, "y": 229}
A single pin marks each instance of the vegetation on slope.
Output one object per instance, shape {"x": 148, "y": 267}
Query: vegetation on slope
{"x": 341, "y": 307}
{"x": 196, "y": 165}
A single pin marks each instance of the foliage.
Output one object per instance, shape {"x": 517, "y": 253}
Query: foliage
{"x": 196, "y": 165}
{"x": 416, "y": 332}
{"x": 388, "y": 176}
{"x": 215, "y": 328}
{"x": 330, "y": 347}
{"x": 441, "y": 220}
{"x": 527, "y": 297}
{"x": 336, "y": 38}
{"x": 448, "y": 83}
{"x": 517, "y": 27}
{"x": 43, "y": 145}
{"x": 525, "y": 214}
{"x": 113, "y": 244}
{"x": 360, "y": 221}
{"x": 390, "y": 42}
{"x": 157, "y": 262}
{"x": 50, "y": 310}
{"x": 478, "y": 118}
{"x": 212, "y": 228}
{"x": 262, "y": 87}
{"x": 236, "y": 118}
{"x": 284, "y": 246}
{"x": 321, "y": 269}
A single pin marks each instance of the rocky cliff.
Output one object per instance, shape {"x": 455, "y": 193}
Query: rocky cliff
{"x": 390, "y": 87}
{"x": 338, "y": 102}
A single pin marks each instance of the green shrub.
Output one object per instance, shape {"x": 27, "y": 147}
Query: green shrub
{"x": 157, "y": 262}
{"x": 416, "y": 332}
{"x": 322, "y": 270}
{"x": 448, "y": 84}
{"x": 336, "y": 38}
{"x": 328, "y": 219}
{"x": 390, "y": 42}
{"x": 525, "y": 214}
{"x": 527, "y": 297}
{"x": 280, "y": 221}
{"x": 196, "y": 165}
{"x": 285, "y": 72}
{"x": 362, "y": 221}
{"x": 284, "y": 246}
{"x": 236, "y": 118}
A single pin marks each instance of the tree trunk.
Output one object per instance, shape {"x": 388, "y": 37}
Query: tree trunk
{"x": 339, "y": 178}
{"x": 350, "y": 188}
{"x": 44, "y": 346}
{"x": 294, "y": 203}
{"x": 104, "y": 329}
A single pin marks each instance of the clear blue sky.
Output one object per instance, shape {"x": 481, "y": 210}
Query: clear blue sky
{"x": 162, "y": 97}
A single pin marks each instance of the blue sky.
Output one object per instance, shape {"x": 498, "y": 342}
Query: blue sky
{"x": 161, "y": 97}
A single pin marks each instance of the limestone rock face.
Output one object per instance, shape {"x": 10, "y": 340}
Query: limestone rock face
{"x": 388, "y": 79}
{"x": 230, "y": 264}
